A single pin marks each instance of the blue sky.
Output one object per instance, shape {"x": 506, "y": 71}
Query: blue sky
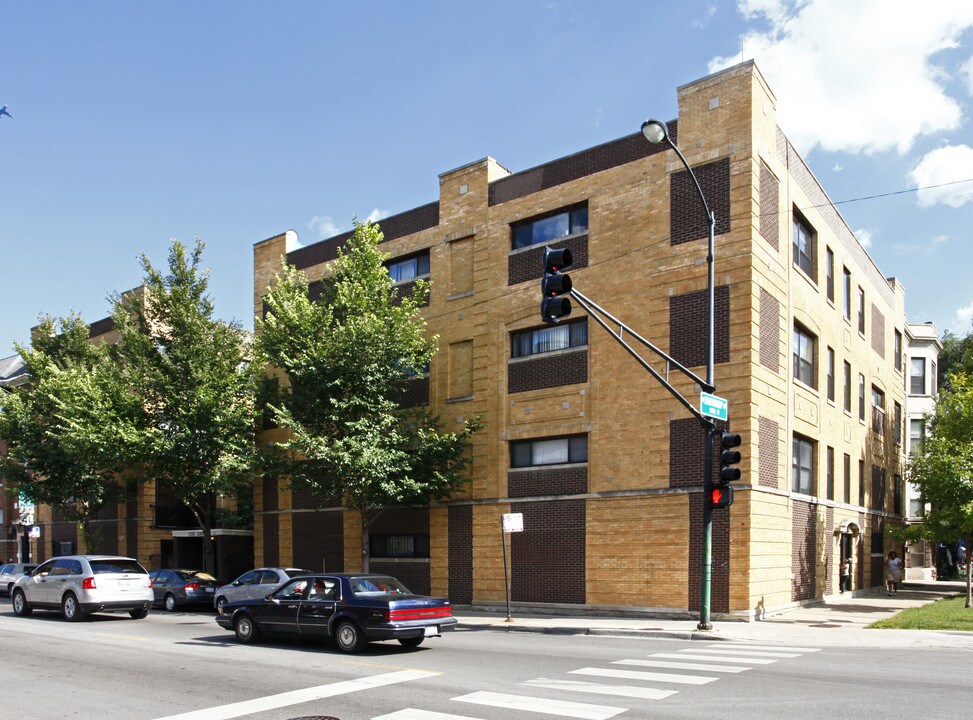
{"x": 137, "y": 123}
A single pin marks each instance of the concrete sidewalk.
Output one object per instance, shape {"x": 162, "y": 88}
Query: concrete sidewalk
{"x": 840, "y": 620}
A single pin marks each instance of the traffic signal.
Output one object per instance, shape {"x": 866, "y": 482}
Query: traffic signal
{"x": 554, "y": 285}
{"x": 721, "y": 494}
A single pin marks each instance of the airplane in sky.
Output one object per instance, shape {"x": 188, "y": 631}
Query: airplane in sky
{"x": 3, "y": 111}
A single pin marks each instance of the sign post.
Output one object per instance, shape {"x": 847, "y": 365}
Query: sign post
{"x": 509, "y": 522}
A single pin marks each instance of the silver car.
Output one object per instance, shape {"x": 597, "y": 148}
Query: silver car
{"x": 256, "y": 583}
{"x": 78, "y": 585}
{"x": 11, "y": 572}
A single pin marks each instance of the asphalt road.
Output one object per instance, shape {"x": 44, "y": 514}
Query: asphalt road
{"x": 182, "y": 666}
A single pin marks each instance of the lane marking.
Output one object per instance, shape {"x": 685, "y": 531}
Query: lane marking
{"x": 779, "y": 648}
{"x": 415, "y": 714}
{"x": 683, "y": 665}
{"x": 687, "y": 655}
{"x": 563, "y": 708}
{"x": 749, "y": 653}
{"x": 295, "y": 697}
{"x": 639, "y": 675}
{"x": 633, "y": 691}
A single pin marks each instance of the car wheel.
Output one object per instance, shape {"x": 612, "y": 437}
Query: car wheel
{"x": 139, "y": 613}
{"x": 246, "y": 630}
{"x": 170, "y": 602}
{"x": 411, "y": 642}
{"x": 220, "y": 602}
{"x": 70, "y": 609}
{"x": 21, "y": 608}
{"x": 349, "y": 637}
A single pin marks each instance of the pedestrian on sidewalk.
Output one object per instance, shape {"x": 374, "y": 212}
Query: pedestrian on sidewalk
{"x": 845, "y": 581}
{"x": 893, "y": 573}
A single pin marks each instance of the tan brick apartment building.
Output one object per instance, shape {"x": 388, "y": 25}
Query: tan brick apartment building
{"x": 604, "y": 464}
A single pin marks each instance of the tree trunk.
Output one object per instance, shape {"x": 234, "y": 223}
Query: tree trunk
{"x": 364, "y": 539}
{"x": 209, "y": 552}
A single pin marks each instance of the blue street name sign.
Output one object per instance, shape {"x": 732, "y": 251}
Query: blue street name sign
{"x": 713, "y": 406}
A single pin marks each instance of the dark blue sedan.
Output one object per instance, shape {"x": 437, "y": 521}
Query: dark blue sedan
{"x": 353, "y": 610}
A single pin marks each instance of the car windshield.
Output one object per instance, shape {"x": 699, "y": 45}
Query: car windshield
{"x": 116, "y": 565}
{"x": 195, "y": 574}
{"x": 376, "y": 585}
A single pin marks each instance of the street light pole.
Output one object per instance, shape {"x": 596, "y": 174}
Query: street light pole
{"x": 656, "y": 131}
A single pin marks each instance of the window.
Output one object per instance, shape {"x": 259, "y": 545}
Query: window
{"x": 897, "y": 424}
{"x": 917, "y": 432}
{"x": 555, "y": 451}
{"x": 409, "y": 268}
{"x": 831, "y": 374}
{"x": 847, "y": 298}
{"x": 933, "y": 378}
{"x": 829, "y": 270}
{"x": 804, "y": 356}
{"x": 802, "y": 466}
{"x": 387, "y": 545}
{"x": 878, "y": 410}
{"x": 917, "y": 379}
{"x": 861, "y": 310}
{"x": 804, "y": 245}
{"x": 861, "y": 483}
{"x": 898, "y": 351}
{"x": 847, "y": 399}
{"x": 861, "y": 397}
{"x": 549, "y": 339}
{"x": 541, "y": 230}
{"x": 846, "y": 496}
{"x": 830, "y": 470}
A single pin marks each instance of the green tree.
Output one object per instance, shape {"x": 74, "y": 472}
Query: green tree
{"x": 955, "y": 357}
{"x": 70, "y": 430}
{"x": 347, "y": 358}
{"x": 942, "y": 468}
{"x": 194, "y": 383}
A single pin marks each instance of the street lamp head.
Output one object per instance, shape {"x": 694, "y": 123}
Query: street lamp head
{"x": 655, "y": 131}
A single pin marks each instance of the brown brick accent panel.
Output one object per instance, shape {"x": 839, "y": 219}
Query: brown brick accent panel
{"x": 545, "y": 371}
{"x": 768, "y": 445}
{"x": 271, "y": 540}
{"x": 414, "y": 575}
{"x": 769, "y": 331}
{"x": 803, "y": 551}
{"x": 719, "y": 600}
{"x": 562, "y": 481}
{"x": 65, "y": 531}
{"x": 687, "y": 326}
{"x": 581, "y": 164}
{"x": 100, "y": 327}
{"x": 685, "y": 453}
{"x": 319, "y": 540}
{"x": 687, "y": 219}
{"x": 769, "y": 220}
{"x": 829, "y": 560}
{"x": 234, "y": 556}
{"x": 529, "y": 264}
{"x": 270, "y": 493}
{"x": 406, "y": 223}
{"x": 401, "y": 520}
{"x": 547, "y": 559}
{"x": 878, "y": 332}
{"x": 132, "y": 537}
{"x": 461, "y": 554}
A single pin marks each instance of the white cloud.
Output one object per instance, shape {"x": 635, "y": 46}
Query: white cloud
{"x": 864, "y": 237}
{"x": 376, "y": 215}
{"x": 943, "y": 166}
{"x": 964, "y": 320}
{"x": 967, "y": 70}
{"x": 846, "y": 73}
{"x": 927, "y": 247}
{"x": 323, "y": 226}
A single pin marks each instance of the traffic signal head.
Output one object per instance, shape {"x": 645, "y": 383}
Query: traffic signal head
{"x": 729, "y": 457}
{"x": 721, "y": 496}
{"x": 554, "y": 284}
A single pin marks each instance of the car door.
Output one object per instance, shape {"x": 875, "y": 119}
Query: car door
{"x": 36, "y": 588}
{"x": 163, "y": 581}
{"x": 243, "y": 587}
{"x": 318, "y": 607}
{"x": 63, "y": 573}
{"x": 268, "y": 582}
{"x": 278, "y": 614}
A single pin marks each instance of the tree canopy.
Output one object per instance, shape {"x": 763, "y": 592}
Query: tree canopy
{"x": 347, "y": 358}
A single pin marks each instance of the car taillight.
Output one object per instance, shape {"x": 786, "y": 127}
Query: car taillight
{"x": 89, "y": 583}
{"x": 191, "y": 586}
{"x": 417, "y": 614}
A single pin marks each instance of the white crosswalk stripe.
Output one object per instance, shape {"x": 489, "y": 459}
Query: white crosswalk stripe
{"x": 415, "y": 714}
{"x": 698, "y": 655}
{"x": 776, "y": 648}
{"x": 635, "y": 691}
{"x": 561, "y": 708}
{"x": 741, "y": 652}
{"x": 683, "y": 665}
{"x": 654, "y": 677}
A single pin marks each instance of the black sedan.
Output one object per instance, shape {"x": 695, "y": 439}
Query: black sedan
{"x": 351, "y": 609}
{"x": 175, "y": 589}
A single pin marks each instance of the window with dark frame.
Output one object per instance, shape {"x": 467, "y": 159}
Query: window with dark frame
{"x": 897, "y": 424}
{"x": 861, "y": 483}
{"x": 831, "y": 370}
{"x": 847, "y": 293}
{"x": 409, "y": 268}
{"x": 569, "y": 221}
{"x": 804, "y": 245}
{"x": 572, "y": 449}
{"x": 804, "y": 369}
{"x": 847, "y": 398}
{"x": 829, "y": 487}
{"x": 846, "y": 496}
{"x": 861, "y": 310}
{"x": 401, "y": 545}
{"x": 898, "y": 351}
{"x": 878, "y": 410}
{"x": 802, "y": 466}
{"x": 829, "y": 270}
{"x": 537, "y": 341}
{"x": 917, "y": 376}
{"x": 861, "y": 397}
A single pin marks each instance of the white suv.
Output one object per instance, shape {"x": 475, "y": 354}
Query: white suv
{"x": 81, "y": 584}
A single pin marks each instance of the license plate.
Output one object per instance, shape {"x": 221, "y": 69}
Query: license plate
{"x": 430, "y": 630}
{"x": 209, "y": 590}
{"x": 125, "y": 582}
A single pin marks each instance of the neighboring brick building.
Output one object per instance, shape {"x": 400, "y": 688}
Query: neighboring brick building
{"x": 604, "y": 464}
